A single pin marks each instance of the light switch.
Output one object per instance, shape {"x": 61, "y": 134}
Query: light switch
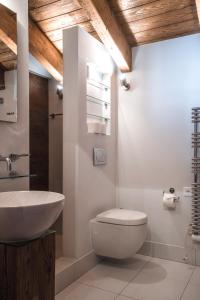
{"x": 187, "y": 192}
{"x": 99, "y": 156}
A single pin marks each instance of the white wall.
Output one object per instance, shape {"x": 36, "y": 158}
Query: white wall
{"x": 36, "y": 68}
{"x": 88, "y": 189}
{"x": 15, "y": 137}
{"x": 154, "y": 150}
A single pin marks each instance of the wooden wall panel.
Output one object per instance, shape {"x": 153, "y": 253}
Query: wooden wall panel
{"x": 39, "y": 133}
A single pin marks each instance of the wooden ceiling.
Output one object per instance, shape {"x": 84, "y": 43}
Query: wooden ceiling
{"x": 8, "y": 52}
{"x": 142, "y": 21}
{"x": 8, "y": 59}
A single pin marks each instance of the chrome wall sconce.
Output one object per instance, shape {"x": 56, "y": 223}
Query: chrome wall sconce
{"x": 124, "y": 83}
{"x": 59, "y": 91}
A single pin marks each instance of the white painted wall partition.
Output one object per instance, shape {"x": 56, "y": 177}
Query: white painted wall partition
{"x": 154, "y": 141}
{"x": 88, "y": 189}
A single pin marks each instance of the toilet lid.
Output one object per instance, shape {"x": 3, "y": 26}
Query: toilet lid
{"x": 122, "y": 217}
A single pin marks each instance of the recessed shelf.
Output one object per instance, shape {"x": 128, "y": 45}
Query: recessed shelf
{"x": 17, "y": 176}
{"x": 95, "y": 100}
{"x": 99, "y": 117}
{"x": 98, "y": 96}
{"x": 96, "y": 84}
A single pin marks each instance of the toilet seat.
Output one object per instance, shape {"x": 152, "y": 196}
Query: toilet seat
{"x": 122, "y": 217}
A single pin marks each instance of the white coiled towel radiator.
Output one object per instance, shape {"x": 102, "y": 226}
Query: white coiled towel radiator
{"x": 196, "y": 175}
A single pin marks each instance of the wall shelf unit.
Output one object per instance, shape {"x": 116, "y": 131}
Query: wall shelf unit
{"x": 17, "y": 176}
{"x": 98, "y": 96}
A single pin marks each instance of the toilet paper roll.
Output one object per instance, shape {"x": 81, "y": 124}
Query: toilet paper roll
{"x": 169, "y": 200}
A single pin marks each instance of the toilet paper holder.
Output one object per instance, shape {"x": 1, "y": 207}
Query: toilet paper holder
{"x": 172, "y": 191}
{"x": 171, "y": 199}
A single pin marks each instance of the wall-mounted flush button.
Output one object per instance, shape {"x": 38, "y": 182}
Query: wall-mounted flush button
{"x": 99, "y": 156}
{"x": 187, "y": 192}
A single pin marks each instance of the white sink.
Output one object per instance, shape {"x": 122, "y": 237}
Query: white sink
{"x": 27, "y": 214}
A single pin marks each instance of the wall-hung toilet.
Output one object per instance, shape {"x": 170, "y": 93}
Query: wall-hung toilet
{"x": 118, "y": 233}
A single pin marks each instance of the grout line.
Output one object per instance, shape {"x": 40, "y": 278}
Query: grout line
{"x": 117, "y": 294}
{"x": 187, "y": 284}
{"x": 134, "y": 277}
{"x": 126, "y": 297}
{"x": 98, "y": 288}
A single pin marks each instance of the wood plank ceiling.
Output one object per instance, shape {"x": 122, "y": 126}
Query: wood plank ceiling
{"x": 141, "y": 21}
{"x": 8, "y": 51}
{"x": 8, "y": 59}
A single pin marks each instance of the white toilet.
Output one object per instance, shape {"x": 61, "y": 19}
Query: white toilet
{"x": 118, "y": 233}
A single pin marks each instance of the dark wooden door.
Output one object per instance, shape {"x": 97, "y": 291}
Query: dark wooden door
{"x": 39, "y": 133}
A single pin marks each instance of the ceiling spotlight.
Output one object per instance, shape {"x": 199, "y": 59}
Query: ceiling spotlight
{"x": 59, "y": 91}
{"x": 124, "y": 83}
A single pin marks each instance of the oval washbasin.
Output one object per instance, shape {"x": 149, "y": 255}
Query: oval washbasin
{"x": 27, "y": 214}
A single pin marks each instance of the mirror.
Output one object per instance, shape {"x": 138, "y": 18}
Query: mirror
{"x": 8, "y": 65}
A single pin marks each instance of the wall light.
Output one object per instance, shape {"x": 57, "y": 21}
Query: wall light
{"x": 59, "y": 91}
{"x": 124, "y": 83}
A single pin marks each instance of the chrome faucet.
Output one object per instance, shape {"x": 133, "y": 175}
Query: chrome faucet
{"x": 8, "y": 162}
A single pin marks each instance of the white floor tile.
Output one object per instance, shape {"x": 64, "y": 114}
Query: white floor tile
{"x": 192, "y": 292}
{"x": 159, "y": 269}
{"x": 66, "y": 291}
{"x": 160, "y": 280}
{"x": 83, "y": 292}
{"x": 112, "y": 276}
{"x": 160, "y": 290}
{"x": 124, "y": 298}
{"x": 195, "y": 279}
{"x": 141, "y": 278}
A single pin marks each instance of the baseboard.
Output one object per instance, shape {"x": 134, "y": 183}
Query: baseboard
{"x": 69, "y": 269}
{"x": 169, "y": 252}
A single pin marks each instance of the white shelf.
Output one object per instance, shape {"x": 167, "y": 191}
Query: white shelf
{"x": 98, "y": 96}
{"x": 97, "y": 100}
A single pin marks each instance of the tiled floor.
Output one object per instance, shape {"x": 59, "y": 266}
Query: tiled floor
{"x": 142, "y": 278}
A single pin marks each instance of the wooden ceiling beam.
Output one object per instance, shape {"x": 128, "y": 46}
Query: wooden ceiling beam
{"x": 110, "y": 33}
{"x": 198, "y": 9}
{"x": 45, "y": 52}
{"x": 8, "y": 29}
{"x": 39, "y": 44}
